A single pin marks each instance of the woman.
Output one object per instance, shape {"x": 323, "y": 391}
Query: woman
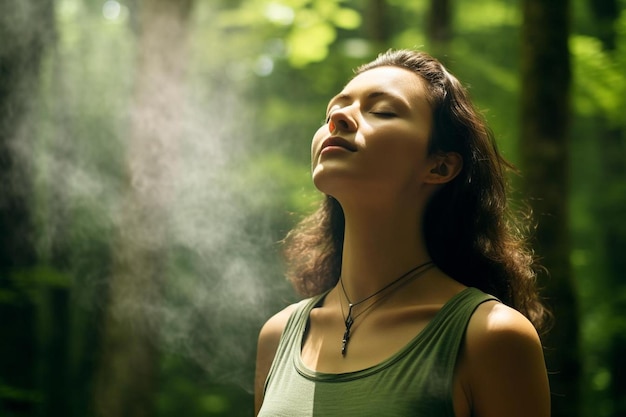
{"x": 399, "y": 261}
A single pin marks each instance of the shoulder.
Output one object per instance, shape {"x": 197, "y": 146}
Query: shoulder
{"x": 269, "y": 338}
{"x": 496, "y": 322}
{"x": 503, "y": 357}
{"x": 273, "y": 328}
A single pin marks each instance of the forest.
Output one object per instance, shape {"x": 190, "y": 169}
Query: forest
{"x": 154, "y": 153}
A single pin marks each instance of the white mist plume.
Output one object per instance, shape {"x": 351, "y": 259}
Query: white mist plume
{"x": 219, "y": 266}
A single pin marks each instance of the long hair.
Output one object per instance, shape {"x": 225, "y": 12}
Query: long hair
{"x": 471, "y": 233}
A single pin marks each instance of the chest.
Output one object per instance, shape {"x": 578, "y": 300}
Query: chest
{"x": 409, "y": 363}
{"x": 329, "y": 347}
{"x": 419, "y": 382}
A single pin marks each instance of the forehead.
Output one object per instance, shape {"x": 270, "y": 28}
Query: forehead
{"x": 396, "y": 80}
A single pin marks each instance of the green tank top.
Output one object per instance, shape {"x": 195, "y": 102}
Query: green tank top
{"x": 416, "y": 381}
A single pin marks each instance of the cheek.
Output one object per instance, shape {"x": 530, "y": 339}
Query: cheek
{"x": 397, "y": 154}
{"x": 396, "y": 145}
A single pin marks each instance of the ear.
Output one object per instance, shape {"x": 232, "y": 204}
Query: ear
{"x": 443, "y": 167}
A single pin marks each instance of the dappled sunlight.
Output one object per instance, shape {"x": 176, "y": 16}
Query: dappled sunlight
{"x": 153, "y": 155}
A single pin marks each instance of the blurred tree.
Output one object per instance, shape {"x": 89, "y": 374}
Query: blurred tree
{"x": 545, "y": 91}
{"x": 611, "y": 139}
{"x": 439, "y": 26}
{"x": 128, "y": 369}
{"x": 283, "y": 58}
{"x": 606, "y": 13}
{"x": 378, "y": 29}
{"x": 27, "y": 31}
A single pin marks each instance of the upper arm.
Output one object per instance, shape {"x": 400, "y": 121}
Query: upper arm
{"x": 506, "y": 369}
{"x": 269, "y": 337}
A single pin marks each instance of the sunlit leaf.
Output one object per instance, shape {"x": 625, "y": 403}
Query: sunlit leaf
{"x": 310, "y": 44}
{"x": 599, "y": 82}
{"x": 347, "y": 19}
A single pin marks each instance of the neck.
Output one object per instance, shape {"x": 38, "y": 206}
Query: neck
{"x": 380, "y": 245}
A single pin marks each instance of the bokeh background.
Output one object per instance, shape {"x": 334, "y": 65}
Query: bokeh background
{"x": 153, "y": 153}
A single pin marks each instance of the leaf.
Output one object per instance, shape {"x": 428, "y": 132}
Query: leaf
{"x": 310, "y": 43}
{"x": 347, "y": 19}
{"x": 599, "y": 82}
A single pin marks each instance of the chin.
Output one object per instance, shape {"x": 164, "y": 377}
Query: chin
{"x": 323, "y": 183}
{"x": 332, "y": 185}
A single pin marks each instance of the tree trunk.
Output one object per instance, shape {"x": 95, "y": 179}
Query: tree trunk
{"x": 611, "y": 140}
{"x": 439, "y": 27}
{"x": 26, "y": 28}
{"x": 377, "y": 24}
{"x": 544, "y": 146}
{"x": 606, "y": 13}
{"x": 128, "y": 370}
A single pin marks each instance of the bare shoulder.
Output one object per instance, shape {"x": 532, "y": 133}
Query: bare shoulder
{"x": 496, "y": 322}
{"x": 273, "y": 328}
{"x": 506, "y": 368}
{"x": 269, "y": 338}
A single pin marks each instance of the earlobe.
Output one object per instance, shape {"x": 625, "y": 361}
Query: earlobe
{"x": 445, "y": 167}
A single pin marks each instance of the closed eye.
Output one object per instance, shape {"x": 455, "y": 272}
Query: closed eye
{"x": 386, "y": 115}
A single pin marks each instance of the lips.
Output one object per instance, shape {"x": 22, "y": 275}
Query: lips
{"x": 337, "y": 141}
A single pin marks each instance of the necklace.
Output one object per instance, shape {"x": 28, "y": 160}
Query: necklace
{"x": 349, "y": 319}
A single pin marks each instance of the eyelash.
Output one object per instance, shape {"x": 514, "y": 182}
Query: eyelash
{"x": 384, "y": 114}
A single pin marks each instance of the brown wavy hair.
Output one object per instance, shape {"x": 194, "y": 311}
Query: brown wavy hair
{"x": 471, "y": 232}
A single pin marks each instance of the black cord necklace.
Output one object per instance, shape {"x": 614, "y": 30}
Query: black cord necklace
{"x": 349, "y": 319}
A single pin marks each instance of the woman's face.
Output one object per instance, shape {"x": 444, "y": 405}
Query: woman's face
{"x": 375, "y": 138}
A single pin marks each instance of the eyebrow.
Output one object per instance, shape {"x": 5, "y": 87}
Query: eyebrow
{"x": 372, "y": 95}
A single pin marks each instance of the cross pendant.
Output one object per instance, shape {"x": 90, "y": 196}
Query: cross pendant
{"x": 346, "y": 334}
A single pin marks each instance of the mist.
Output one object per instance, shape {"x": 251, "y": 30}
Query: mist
{"x": 140, "y": 149}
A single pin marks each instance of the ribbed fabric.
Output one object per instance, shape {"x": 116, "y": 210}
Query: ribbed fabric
{"x": 416, "y": 381}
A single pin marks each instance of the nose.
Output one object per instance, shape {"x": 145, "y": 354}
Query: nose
{"x": 341, "y": 120}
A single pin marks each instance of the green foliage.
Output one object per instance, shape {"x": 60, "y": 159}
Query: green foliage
{"x": 11, "y": 393}
{"x": 598, "y": 206}
{"x": 258, "y": 79}
{"x": 186, "y": 391}
{"x": 483, "y": 15}
{"x": 600, "y": 81}
{"x": 307, "y": 27}
{"x": 29, "y": 285}
{"x": 285, "y": 183}
{"x": 315, "y": 28}
{"x": 41, "y": 275}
